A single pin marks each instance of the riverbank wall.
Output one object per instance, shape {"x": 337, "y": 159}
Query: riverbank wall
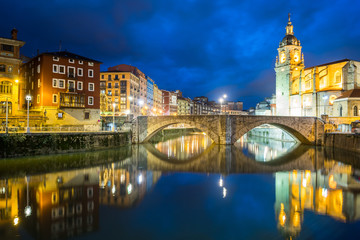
{"x": 345, "y": 141}
{"x": 18, "y": 144}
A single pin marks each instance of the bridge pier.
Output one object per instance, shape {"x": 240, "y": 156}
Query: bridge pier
{"x": 227, "y": 129}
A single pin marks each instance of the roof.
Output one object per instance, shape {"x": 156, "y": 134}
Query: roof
{"x": 67, "y": 54}
{"x": 338, "y": 61}
{"x": 354, "y": 93}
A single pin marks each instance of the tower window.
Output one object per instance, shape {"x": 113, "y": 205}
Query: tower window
{"x": 356, "y": 112}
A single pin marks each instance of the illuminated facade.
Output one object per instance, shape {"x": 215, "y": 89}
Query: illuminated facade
{"x": 158, "y": 100}
{"x": 65, "y": 89}
{"x": 310, "y": 91}
{"x": 122, "y": 90}
{"x": 10, "y": 82}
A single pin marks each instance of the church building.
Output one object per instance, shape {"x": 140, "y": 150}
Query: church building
{"x": 330, "y": 88}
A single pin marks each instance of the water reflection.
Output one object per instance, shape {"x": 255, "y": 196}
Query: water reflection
{"x": 184, "y": 147}
{"x": 265, "y": 149}
{"x": 68, "y": 203}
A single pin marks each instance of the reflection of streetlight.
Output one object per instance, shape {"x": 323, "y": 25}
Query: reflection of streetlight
{"x": 129, "y": 188}
{"x": 221, "y": 182}
{"x": 224, "y": 192}
{"x": 140, "y": 179}
{"x": 27, "y": 208}
{"x": 28, "y": 99}
{"x": 114, "y": 117}
{"x": 16, "y": 220}
{"x": 141, "y": 103}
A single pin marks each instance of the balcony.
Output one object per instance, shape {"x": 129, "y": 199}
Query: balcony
{"x": 71, "y": 100}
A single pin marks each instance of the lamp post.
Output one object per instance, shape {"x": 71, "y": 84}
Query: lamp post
{"x": 7, "y": 116}
{"x": 114, "y": 117}
{"x": 221, "y": 101}
{"x": 28, "y": 99}
{"x": 141, "y": 103}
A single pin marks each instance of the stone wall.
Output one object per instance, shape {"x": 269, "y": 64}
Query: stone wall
{"x": 16, "y": 145}
{"x": 346, "y": 141}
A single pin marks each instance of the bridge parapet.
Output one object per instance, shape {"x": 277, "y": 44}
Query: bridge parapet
{"x": 227, "y": 129}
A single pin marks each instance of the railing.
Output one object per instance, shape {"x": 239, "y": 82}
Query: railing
{"x": 74, "y": 105}
{"x": 56, "y": 129}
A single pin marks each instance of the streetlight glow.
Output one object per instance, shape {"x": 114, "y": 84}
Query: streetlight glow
{"x": 28, "y": 99}
{"x": 224, "y": 96}
{"x": 221, "y": 100}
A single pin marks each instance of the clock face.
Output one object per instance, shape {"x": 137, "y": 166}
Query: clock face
{"x": 296, "y": 57}
{"x": 282, "y": 57}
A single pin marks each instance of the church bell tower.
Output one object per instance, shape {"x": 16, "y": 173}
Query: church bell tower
{"x": 289, "y": 64}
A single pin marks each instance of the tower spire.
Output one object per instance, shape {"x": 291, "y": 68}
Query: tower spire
{"x": 289, "y": 27}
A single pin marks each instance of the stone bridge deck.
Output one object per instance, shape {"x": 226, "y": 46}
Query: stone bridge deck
{"x": 227, "y": 129}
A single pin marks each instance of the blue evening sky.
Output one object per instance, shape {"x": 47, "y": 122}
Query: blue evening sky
{"x": 201, "y": 47}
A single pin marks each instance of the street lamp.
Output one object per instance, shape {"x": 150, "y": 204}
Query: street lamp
{"x": 114, "y": 117}
{"x": 28, "y": 99}
{"x": 141, "y": 103}
{"x": 221, "y": 100}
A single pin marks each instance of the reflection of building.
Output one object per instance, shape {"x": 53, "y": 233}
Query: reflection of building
{"x": 64, "y": 88}
{"x": 125, "y": 186}
{"x": 10, "y": 83}
{"x": 311, "y": 91}
{"x": 328, "y": 191}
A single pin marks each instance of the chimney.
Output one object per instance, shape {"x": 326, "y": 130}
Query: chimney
{"x": 14, "y": 34}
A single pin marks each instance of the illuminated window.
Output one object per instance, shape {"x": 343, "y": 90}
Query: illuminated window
{"x": 91, "y": 73}
{"x": 80, "y": 72}
{"x": 55, "y": 98}
{"x": 54, "y": 83}
{"x": 62, "y": 69}
{"x": 91, "y": 86}
{"x": 38, "y": 98}
{"x": 356, "y": 112}
{"x": 91, "y": 100}
{"x": 55, "y": 68}
{"x": 80, "y": 85}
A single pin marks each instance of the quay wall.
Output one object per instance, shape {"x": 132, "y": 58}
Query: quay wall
{"x": 18, "y": 144}
{"x": 346, "y": 141}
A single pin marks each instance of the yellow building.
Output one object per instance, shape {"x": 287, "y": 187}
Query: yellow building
{"x": 122, "y": 90}
{"x": 310, "y": 91}
{"x": 158, "y": 100}
{"x": 9, "y": 79}
{"x": 183, "y": 106}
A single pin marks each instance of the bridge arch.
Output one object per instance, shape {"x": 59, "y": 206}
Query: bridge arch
{"x": 291, "y": 130}
{"x": 155, "y": 127}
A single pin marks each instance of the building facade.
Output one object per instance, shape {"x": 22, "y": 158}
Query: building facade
{"x": 158, "y": 100}
{"x": 10, "y": 81}
{"x": 121, "y": 90}
{"x": 311, "y": 91}
{"x": 65, "y": 89}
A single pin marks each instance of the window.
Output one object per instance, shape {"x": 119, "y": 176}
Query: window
{"x": 62, "y": 69}
{"x": 116, "y": 85}
{"x": 90, "y": 102}
{"x": 8, "y": 48}
{"x": 90, "y": 206}
{"x": 38, "y": 68}
{"x": 39, "y": 83}
{"x": 10, "y": 69}
{"x": 71, "y": 60}
{"x": 109, "y": 93}
{"x": 109, "y": 85}
{"x": 81, "y": 62}
{"x": 102, "y": 76}
{"x": 71, "y": 86}
{"x": 123, "y": 76}
{"x": 54, "y": 198}
{"x": 80, "y": 72}
{"x": 337, "y": 77}
{"x": 2, "y": 68}
{"x": 87, "y": 115}
{"x": 61, "y": 83}
{"x": 60, "y": 115}
{"x": 78, "y": 208}
{"x": 38, "y": 98}
{"x": 91, "y": 64}
{"x": 55, "y": 98}
{"x": 55, "y": 83}
{"x": 91, "y": 87}
{"x": 55, "y": 68}
{"x": 356, "y": 112}
{"x": 80, "y": 85}
{"x": 116, "y": 77}
{"x": 91, "y": 73}
{"x": 56, "y": 59}
{"x": 71, "y": 72}
{"x": 109, "y": 77}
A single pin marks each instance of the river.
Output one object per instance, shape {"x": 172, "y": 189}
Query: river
{"x": 183, "y": 188}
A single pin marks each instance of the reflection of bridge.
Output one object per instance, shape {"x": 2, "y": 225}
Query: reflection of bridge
{"x": 227, "y": 129}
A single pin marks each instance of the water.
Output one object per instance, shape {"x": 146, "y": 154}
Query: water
{"x": 183, "y": 188}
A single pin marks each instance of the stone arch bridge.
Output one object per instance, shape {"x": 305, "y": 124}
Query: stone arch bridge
{"x": 227, "y": 129}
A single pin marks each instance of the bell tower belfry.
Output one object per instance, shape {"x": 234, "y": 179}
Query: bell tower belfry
{"x": 289, "y": 64}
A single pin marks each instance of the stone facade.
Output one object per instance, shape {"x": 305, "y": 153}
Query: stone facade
{"x": 227, "y": 129}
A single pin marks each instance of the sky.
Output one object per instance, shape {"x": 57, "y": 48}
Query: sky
{"x": 201, "y": 47}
